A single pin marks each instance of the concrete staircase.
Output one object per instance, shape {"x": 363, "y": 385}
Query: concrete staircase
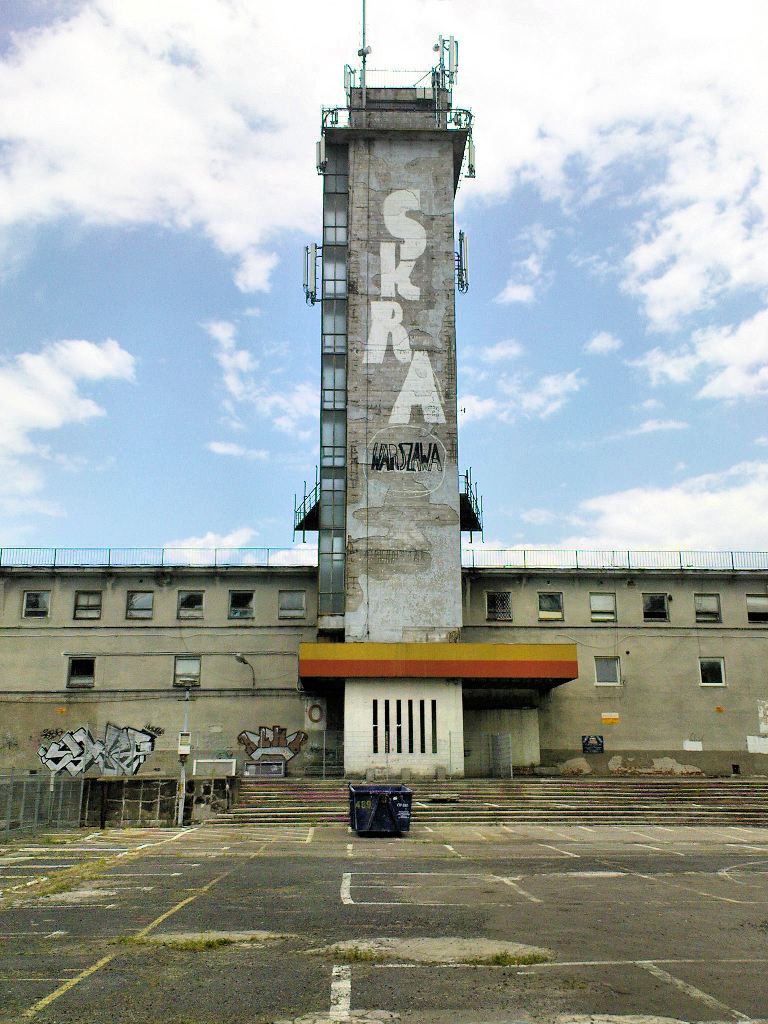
{"x": 624, "y": 801}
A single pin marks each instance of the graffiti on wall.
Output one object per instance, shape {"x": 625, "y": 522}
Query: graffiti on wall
{"x": 274, "y": 742}
{"x": 419, "y": 390}
{"x": 122, "y": 751}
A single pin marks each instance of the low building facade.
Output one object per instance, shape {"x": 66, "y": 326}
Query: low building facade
{"x": 662, "y": 671}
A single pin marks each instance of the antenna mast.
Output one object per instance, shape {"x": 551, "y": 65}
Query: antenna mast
{"x": 363, "y": 52}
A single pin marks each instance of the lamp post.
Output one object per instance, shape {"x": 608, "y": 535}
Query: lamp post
{"x": 184, "y": 750}
{"x": 242, "y": 660}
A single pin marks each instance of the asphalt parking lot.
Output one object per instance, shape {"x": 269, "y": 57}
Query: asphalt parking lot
{"x": 494, "y": 924}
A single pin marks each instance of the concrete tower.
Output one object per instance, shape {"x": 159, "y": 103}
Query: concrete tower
{"x": 389, "y": 508}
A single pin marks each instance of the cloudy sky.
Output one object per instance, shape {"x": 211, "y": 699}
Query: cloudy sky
{"x": 159, "y": 368}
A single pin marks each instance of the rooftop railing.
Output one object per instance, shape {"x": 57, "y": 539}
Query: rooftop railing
{"x": 543, "y": 558}
{"x": 472, "y": 558}
{"x": 154, "y": 557}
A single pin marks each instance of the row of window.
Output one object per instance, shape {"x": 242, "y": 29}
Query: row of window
{"x": 140, "y": 604}
{"x": 602, "y": 607}
{"x": 608, "y": 671}
{"x": 187, "y": 670}
{"x": 81, "y": 672}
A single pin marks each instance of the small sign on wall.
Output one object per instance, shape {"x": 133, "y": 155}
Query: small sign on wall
{"x": 592, "y": 745}
{"x": 610, "y": 717}
{"x": 762, "y": 717}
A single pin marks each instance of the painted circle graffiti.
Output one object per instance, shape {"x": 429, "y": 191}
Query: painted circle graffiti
{"x": 315, "y": 713}
{"x": 410, "y": 456}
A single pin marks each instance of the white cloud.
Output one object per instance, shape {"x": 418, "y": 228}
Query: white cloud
{"x": 515, "y": 292}
{"x": 762, "y": 441}
{"x": 236, "y": 450}
{"x": 40, "y": 391}
{"x": 538, "y": 516}
{"x": 732, "y": 359}
{"x": 714, "y": 511}
{"x": 602, "y": 344}
{"x": 544, "y": 397}
{"x": 501, "y": 351}
{"x": 654, "y": 426}
{"x": 528, "y": 276}
{"x": 522, "y": 395}
{"x": 473, "y": 407}
{"x": 241, "y": 537}
{"x": 203, "y": 100}
{"x": 288, "y": 408}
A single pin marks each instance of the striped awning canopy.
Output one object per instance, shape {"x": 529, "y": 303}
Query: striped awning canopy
{"x": 556, "y": 662}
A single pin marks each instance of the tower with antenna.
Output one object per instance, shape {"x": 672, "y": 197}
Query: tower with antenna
{"x": 389, "y": 505}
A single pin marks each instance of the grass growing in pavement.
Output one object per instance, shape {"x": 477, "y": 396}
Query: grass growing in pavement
{"x": 190, "y": 943}
{"x": 507, "y": 960}
{"x": 358, "y": 955}
{"x": 62, "y": 881}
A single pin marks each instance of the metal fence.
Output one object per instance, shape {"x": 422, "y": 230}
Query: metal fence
{"x": 472, "y": 557}
{"x": 155, "y": 557}
{"x": 551, "y": 558}
{"x": 32, "y": 802}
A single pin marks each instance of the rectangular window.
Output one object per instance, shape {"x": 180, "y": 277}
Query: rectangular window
{"x": 757, "y": 608}
{"x": 37, "y": 604}
{"x": 707, "y": 607}
{"x": 334, "y": 272}
{"x": 335, "y": 219}
{"x": 550, "y": 607}
{"x": 655, "y": 608}
{"x": 498, "y": 606}
{"x": 607, "y": 672}
{"x": 434, "y": 726}
{"x": 292, "y": 604}
{"x": 241, "y": 604}
{"x": 387, "y": 746}
{"x": 82, "y": 673}
{"x": 186, "y": 670}
{"x": 399, "y": 726}
{"x": 602, "y": 607}
{"x": 87, "y": 604}
{"x": 422, "y": 729}
{"x": 139, "y": 604}
{"x": 712, "y": 671}
{"x": 190, "y": 604}
{"x": 375, "y": 727}
{"x": 410, "y": 726}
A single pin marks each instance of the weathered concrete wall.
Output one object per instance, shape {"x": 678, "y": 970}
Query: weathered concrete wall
{"x": 216, "y": 722}
{"x": 403, "y": 541}
{"x": 358, "y": 730}
{"x": 660, "y": 719}
{"x": 480, "y": 724}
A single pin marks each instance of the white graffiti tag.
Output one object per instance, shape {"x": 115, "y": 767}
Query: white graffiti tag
{"x": 419, "y": 389}
{"x": 122, "y": 751}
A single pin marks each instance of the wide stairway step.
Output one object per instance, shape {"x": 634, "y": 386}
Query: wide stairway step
{"x": 621, "y": 801}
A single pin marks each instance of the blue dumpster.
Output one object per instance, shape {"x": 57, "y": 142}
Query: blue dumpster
{"x": 380, "y": 809}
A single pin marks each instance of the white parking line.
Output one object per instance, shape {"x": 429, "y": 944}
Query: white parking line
{"x": 310, "y": 835}
{"x": 565, "y": 853}
{"x": 459, "y": 855}
{"x": 341, "y": 992}
{"x": 518, "y": 889}
{"x": 561, "y": 835}
{"x": 346, "y": 885}
{"x": 690, "y": 990}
